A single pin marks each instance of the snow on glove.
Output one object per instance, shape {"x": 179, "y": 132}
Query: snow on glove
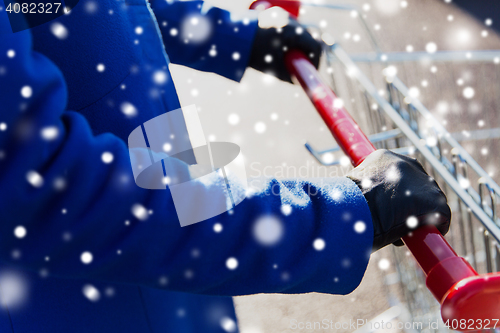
{"x": 401, "y": 196}
{"x": 270, "y": 45}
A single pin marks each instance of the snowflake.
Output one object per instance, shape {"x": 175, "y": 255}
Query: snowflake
{"x": 91, "y": 7}
{"x": 286, "y": 209}
{"x": 128, "y": 109}
{"x": 468, "y": 92}
{"x": 217, "y": 227}
{"x": 160, "y": 77}
{"x": 20, "y": 231}
{"x": 100, "y": 67}
{"x": 26, "y": 91}
{"x": 228, "y": 324}
{"x": 213, "y": 51}
{"x": 49, "y": 133}
{"x": 232, "y": 263}
{"x": 431, "y": 47}
{"x": 260, "y": 127}
{"x": 366, "y": 182}
{"x": 86, "y": 257}
{"x": 319, "y": 244}
{"x": 13, "y": 289}
{"x": 107, "y": 157}
{"x": 344, "y": 161}
{"x": 91, "y": 293}
{"x": 140, "y": 212}
{"x": 360, "y": 227}
{"x": 109, "y": 292}
{"x": 163, "y": 281}
{"x": 384, "y": 264}
{"x": 268, "y": 230}
{"x": 59, "y": 30}
{"x": 167, "y": 147}
{"x": 412, "y": 222}
{"x": 59, "y": 183}
{"x": 328, "y": 158}
{"x": 336, "y": 195}
{"x": 392, "y": 174}
{"x": 34, "y": 178}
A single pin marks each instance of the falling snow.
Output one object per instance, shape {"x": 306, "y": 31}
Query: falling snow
{"x": 431, "y": 47}
{"x": 412, "y": 222}
{"x": 91, "y": 293}
{"x": 286, "y": 209}
{"x": 228, "y": 324}
{"x": 128, "y": 109}
{"x": 140, "y": 212}
{"x": 34, "y": 178}
{"x": 468, "y": 92}
{"x": 232, "y": 263}
{"x": 107, "y": 157}
{"x": 217, "y": 227}
{"x": 20, "y": 231}
{"x": 49, "y": 133}
{"x": 233, "y": 119}
{"x": 268, "y": 230}
{"x": 160, "y": 77}
{"x": 13, "y": 289}
{"x": 26, "y": 91}
{"x": 86, "y": 257}
{"x": 360, "y": 227}
{"x": 319, "y": 244}
{"x": 260, "y": 127}
{"x": 392, "y": 174}
{"x": 384, "y": 264}
{"x": 59, "y": 30}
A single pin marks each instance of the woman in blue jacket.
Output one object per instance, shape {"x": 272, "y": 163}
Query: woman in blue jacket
{"x": 66, "y": 185}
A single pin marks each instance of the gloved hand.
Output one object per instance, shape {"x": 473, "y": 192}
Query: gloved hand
{"x": 268, "y": 50}
{"x": 401, "y": 196}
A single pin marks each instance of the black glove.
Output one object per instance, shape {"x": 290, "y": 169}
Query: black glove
{"x": 268, "y": 50}
{"x": 401, "y": 196}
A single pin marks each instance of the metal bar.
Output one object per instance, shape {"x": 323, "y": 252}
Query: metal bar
{"x": 417, "y": 142}
{"x": 374, "y": 138}
{"x": 449, "y": 56}
{"x": 446, "y": 136}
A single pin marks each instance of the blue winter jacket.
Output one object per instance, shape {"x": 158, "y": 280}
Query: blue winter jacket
{"x": 82, "y": 261}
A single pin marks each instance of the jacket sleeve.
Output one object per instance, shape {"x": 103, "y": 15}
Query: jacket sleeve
{"x": 67, "y": 202}
{"x": 207, "y": 39}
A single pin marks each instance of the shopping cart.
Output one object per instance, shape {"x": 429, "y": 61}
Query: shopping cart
{"x": 395, "y": 119}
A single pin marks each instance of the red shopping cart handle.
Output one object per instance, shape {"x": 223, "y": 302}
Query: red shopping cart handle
{"x": 462, "y": 293}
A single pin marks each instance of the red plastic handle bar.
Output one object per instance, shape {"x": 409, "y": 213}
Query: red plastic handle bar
{"x": 455, "y": 284}
{"x": 427, "y": 245}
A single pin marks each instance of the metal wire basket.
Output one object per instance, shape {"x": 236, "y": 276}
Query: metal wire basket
{"x": 395, "y": 118}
